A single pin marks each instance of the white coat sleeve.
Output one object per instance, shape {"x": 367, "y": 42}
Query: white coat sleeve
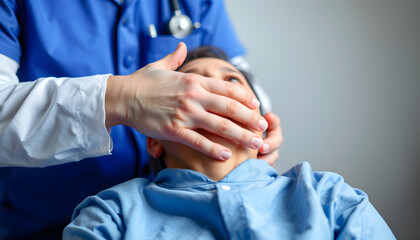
{"x": 51, "y": 121}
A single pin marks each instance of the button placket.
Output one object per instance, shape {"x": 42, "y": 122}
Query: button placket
{"x": 233, "y": 212}
{"x": 128, "y": 43}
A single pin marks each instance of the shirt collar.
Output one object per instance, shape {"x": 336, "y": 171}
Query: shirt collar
{"x": 250, "y": 170}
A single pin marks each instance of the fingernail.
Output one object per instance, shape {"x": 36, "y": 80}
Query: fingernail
{"x": 265, "y": 148}
{"x": 255, "y": 103}
{"x": 225, "y": 155}
{"x": 263, "y": 124}
{"x": 257, "y": 143}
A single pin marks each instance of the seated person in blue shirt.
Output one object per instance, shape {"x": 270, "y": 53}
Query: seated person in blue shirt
{"x": 242, "y": 198}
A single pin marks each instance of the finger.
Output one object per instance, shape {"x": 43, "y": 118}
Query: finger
{"x": 270, "y": 158}
{"x": 230, "y": 90}
{"x": 230, "y": 108}
{"x": 197, "y": 141}
{"x": 175, "y": 59}
{"x": 227, "y": 129}
{"x": 274, "y": 138}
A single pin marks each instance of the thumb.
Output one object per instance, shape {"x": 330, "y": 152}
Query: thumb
{"x": 173, "y": 60}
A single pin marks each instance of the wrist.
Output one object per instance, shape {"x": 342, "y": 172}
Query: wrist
{"x": 113, "y": 101}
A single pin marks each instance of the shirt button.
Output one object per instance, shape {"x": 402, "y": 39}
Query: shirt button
{"x": 128, "y": 61}
{"x": 226, "y": 187}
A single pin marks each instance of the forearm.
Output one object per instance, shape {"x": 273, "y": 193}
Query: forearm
{"x": 52, "y": 121}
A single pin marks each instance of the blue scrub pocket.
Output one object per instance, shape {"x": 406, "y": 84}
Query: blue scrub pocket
{"x": 154, "y": 49}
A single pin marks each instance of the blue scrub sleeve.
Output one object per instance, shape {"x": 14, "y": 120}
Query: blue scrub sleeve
{"x": 218, "y": 29}
{"x": 9, "y": 30}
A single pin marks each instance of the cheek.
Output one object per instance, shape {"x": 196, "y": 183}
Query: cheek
{"x": 177, "y": 154}
{"x": 174, "y": 148}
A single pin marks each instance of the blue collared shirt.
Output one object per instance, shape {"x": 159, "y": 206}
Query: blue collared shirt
{"x": 251, "y": 202}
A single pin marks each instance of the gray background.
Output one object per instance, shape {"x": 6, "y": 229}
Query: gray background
{"x": 344, "y": 77}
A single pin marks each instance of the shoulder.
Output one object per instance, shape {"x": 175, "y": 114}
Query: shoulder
{"x": 303, "y": 171}
{"x": 115, "y": 199}
{"x": 127, "y": 186}
{"x": 348, "y": 209}
{"x": 124, "y": 192}
{"x": 105, "y": 214}
{"x": 328, "y": 186}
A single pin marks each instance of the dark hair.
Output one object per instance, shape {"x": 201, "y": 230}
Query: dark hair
{"x": 202, "y": 52}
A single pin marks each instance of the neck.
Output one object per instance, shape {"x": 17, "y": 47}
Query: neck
{"x": 214, "y": 169}
{"x": 177, "y": 155}
{"x": 217, "y": 170}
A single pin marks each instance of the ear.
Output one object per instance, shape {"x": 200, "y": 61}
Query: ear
{"x": 154, "y": 147}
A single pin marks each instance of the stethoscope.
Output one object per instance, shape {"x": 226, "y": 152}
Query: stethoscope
{"x": 180, "y": 25}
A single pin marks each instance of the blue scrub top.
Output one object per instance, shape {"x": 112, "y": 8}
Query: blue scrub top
{"x": 63, "y": 38}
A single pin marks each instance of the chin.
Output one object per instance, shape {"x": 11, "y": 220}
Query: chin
{"x": 182, "y": 156}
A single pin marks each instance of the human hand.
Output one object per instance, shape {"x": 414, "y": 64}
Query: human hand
{"x": 168, "y": 105}
{"x": 270, "y": 150}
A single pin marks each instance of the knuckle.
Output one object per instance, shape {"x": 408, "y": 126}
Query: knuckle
{"x": 193, "y": 89}
{"x": 181, "y": 132}
{"x": 281, "y": 140}
{"x": 172, "y": 133}
{"x": 245, "y": 136}
{"x": 197, "y": 142}
{"x": 185, "y": 105}
{"x": 223, "y": 126}
{"x": 190, "y": 78}
{"x": 276, "y": 138}
{"x": 274, "y": 119}
{"x": 191, "y": 93}
{"x": 232, "y": 107}
{"x": 230, "y": 89}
